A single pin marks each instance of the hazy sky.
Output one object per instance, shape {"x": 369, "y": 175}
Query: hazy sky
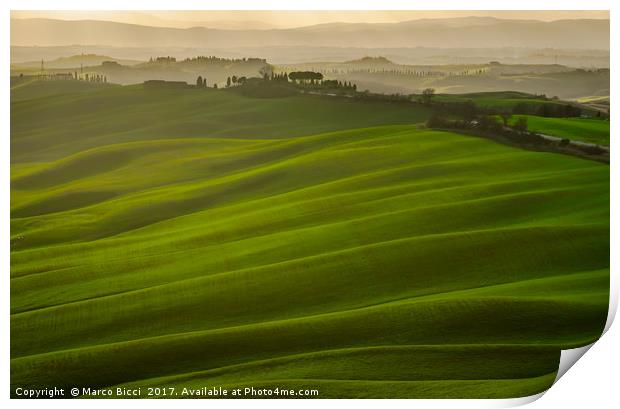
{"x": 282, "y": 19}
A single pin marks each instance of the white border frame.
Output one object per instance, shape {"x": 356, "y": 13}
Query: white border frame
{"x": 595, "y": 374}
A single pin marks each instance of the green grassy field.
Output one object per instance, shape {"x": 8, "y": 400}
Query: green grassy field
{"x": 578, "y": 129}
{"x": 28, "y": 88}
{"x": 189, "y": 239}
{"x": 498, "y": 100}
{"x": 71, "y": 123}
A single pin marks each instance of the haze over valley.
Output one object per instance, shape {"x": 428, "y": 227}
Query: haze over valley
{"x": 439, "y": 53}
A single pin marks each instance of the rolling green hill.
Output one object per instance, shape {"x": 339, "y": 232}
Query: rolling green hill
{"x": 508, "y": 100}
{"x": 202, "y": 238}
{"x": 79, "y": 121}
{"x": 502, "y": 99}
{"x": 579, "y": 129}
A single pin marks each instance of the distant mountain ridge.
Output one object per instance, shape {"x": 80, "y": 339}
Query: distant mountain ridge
{"x": 477, "y": 32}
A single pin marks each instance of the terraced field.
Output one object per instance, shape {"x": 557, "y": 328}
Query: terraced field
{"x": 578, "y": 129}
{"x": 174, "y": 238}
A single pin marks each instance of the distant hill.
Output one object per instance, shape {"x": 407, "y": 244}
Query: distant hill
{"x": 214, "y": 69}
{"x": 295, "y": 55}
{"x": 76, "y": 60}
{"x": 468, "y": 32}
{"x": 371, "y": 61}
{"x": 387, "y": 77}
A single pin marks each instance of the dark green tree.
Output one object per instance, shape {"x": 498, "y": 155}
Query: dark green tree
{"x": 505, "y": 116}
{"x": 427, "y": 95}
{"x": 521, "y": 125}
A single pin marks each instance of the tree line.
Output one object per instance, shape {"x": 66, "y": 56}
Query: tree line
{"x": 212, "y": 58}
{"x": 305, "y": 76}
{"x": 202, "y": 82}
{"x": 92, "y": 77}
{"x": 234, "y": 80}
{"x": 552, "y": 110}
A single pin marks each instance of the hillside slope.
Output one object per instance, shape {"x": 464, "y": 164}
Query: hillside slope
{"x": 77, "y": 121}
{"x": 589, "y": 130}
